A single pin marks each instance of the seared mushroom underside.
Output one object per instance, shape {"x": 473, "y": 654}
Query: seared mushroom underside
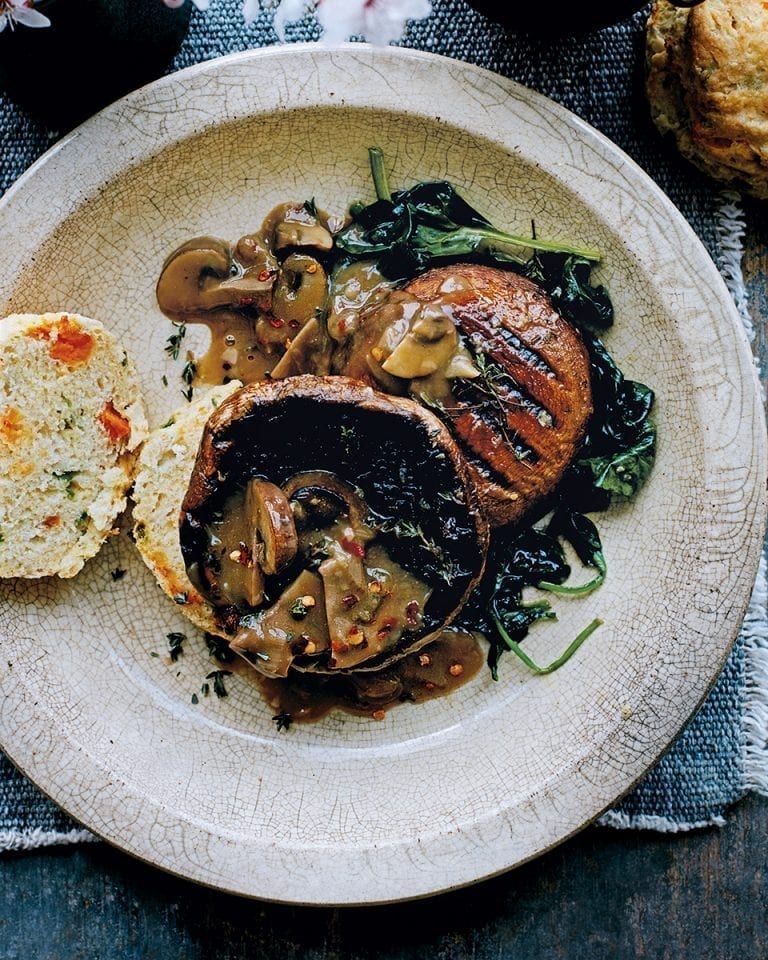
{"x": 359, "y": 517}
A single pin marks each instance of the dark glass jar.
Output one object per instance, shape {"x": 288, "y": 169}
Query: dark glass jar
{"x": 568, "y": 17}
{"x": 93, "y": 52}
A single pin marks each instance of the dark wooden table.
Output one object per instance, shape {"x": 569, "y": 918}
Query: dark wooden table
{"x": 604, "y": 894}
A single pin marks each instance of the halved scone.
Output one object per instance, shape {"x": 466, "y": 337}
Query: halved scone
{"x": 71, "y": 420}
{"x": 162, "y": 475}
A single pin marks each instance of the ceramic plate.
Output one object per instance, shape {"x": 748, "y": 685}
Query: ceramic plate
{"x": 438, "y": 795}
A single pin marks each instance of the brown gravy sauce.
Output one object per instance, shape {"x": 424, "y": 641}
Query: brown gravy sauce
{"x": 273, "y": 311}
{"x": 448, "y": 662}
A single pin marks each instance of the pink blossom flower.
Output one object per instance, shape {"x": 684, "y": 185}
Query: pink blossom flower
{"x": 379, "y": 21}
{"x": 200, "y": 4}
{"x": 21, "y": 11}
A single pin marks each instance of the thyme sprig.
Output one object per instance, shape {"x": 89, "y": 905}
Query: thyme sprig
{"x": 174, "y": 342}
{"x": 446, "y": 567}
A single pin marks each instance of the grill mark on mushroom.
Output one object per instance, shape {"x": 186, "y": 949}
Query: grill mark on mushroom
{"x": 511, "y": 321}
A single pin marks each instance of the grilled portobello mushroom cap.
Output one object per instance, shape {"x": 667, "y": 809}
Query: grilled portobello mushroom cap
{"x": 520, "y": 424}
{"x": 333, "y": 528}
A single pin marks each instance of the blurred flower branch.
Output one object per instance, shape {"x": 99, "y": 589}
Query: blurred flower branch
{"x": 379, "y": 21}
{"x": 15, "y": 12}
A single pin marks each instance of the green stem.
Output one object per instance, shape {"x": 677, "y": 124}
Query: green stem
{"x": 548, "y": 246}
{"x": 584, "y": 588}
{"x": 581, "y": 591}
{"x": 379, "y": 174}
{"x": 573, "y": 646}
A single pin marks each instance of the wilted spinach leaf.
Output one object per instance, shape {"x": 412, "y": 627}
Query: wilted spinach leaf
{"x": 620, "y": 446}
{"x": 410, "y": 230}
{"x": 566, "y": 278}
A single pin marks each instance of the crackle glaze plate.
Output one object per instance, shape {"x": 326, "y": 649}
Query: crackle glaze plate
{"x": 442, "y": 794}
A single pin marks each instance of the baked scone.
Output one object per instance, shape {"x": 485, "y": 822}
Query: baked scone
{"x": 707, "y": 85}
{"x": 71, "y": 419}
{"x": 162, "y": 476}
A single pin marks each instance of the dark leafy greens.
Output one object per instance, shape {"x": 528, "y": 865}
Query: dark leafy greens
{"x": 620, "y": 446}
{"x": 533, "y": 557}
{"x": 430, "y": 224}
{"x": 410, "y": 230}
{"x": 566, "y": 278}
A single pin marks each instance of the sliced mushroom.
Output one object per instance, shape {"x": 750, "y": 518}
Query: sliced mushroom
{"x": 268, "y": 509}
{"x": 307, "y": 485}
{"x": 301, "y": 289}
{"x": 309, "y": 352}
{"x": 253, "y": 582}
{"x": 252, "y": 251}
{"x": 198, "y": 278}
{"x": 296, "y": 233}
{"x": 293, "y": 627}
{"x": 429, "y": 345}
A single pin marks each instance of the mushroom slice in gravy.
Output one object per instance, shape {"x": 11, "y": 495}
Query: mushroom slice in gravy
{"x": 294, "y": 626}
{"x": 269, "y": 512}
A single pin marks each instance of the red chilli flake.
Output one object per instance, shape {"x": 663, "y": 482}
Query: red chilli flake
{"x": 353, "y": 548}
{"x": 294, "y": 324}
{"x": 349, "y": 601}
{"x": 276, "y": 322}
{"x": 412, "y": 613}
{"x": 386, "y": 627}
{"x": 339, "y": 646}
{"x": 264, "y": 275}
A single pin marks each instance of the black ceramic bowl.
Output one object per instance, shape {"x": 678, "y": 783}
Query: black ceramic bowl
{"x": 93, "y": 52}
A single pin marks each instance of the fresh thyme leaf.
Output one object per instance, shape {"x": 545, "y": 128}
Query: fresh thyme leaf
{"x": 188, "y": 372}
{"x": 180, "y": 598}
{"x": 173, "y": 343}
{"x": 175, "y": 641}
{"x": 283, "y": 721}
{"x": 195, "y": 698}
{"x": 298, "y": 609}
{"x": 124, "y": 361}
{"x": 433, "y": 403}
{"x": 218, "y": 648}
{"x": 218, "y": 681}
{"x": 444, "y": 566}
{"x": 311, "y": 207}
{"x": 117, "y": 574}
{"x": 205, "y": 689}
{"x": 164, "y": 379}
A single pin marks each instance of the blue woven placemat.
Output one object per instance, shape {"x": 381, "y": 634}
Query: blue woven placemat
{"x": 722, "y": 753}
